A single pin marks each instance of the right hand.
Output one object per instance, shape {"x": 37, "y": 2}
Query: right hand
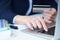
{"x": 32, "y": 22}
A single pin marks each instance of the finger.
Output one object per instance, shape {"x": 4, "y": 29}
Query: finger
{"x": 50, "y": 11}
{"x": 47, "y": 17}
{"x": 53, "y": 9}
{"x": 30, "y": 25}
{"x": 38, "y": 24}
{"x": 34, "y": 24}
{"x": 50, "y": 18}
{"x": 54, "y": 17}
{"x": 47, "y": 21}
{"x": 43, "y": 24}
{"x": 46, "y": 12}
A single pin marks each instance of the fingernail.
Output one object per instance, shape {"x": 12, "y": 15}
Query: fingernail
{"x": 46, "y": 30}
{"x": 32, "y": 29}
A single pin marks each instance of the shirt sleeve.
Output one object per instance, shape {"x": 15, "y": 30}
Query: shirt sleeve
{"x": 5, "y": 11}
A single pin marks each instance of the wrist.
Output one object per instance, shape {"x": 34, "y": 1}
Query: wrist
{"x": 18, "y": 19}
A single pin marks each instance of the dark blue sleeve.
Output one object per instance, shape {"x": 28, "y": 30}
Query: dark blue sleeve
{"x": 53, "y": 4}
{"x": 46, "y": 2}
{"x": 5, "y": 10}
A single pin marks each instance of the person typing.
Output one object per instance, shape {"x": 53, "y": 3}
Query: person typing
{"x": 18, "y": 11}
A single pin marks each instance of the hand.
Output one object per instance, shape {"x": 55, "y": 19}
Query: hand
{"x": 49, "y": 15}
{"x": 36, "y": 22}
{"x": 32, "y": 22}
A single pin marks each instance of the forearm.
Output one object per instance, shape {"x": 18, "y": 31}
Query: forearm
{"x": 19, "y": 19}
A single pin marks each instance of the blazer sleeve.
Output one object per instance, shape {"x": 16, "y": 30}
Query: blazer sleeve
{"x": 54, "y": 4}
{"x": 5, "y": 10}
{"x": 46, "y": 2}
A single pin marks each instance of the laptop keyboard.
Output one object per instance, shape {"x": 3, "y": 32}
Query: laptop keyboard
{"x": 50, "y": 31}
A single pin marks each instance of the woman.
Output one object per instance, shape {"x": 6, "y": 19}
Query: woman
{"x": 17, "y": 11}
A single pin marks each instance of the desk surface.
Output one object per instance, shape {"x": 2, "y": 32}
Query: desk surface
{"x": 18, "y": 35}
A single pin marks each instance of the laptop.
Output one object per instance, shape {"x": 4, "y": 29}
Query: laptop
{"x": 52, "y": 34}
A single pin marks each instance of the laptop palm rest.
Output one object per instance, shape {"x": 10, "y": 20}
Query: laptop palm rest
{"x": 47, "y": 35}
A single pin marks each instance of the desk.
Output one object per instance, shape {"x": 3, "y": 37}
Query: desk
{"x": 18, "y": 35}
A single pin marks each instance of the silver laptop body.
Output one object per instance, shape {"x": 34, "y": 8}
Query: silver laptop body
{"x": 47, "y": 36}
{"x": 57, "y": 29}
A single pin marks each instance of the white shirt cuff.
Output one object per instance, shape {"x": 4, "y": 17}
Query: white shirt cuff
{"x": 14, "y": 19}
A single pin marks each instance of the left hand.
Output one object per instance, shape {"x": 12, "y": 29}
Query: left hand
{"x": 49, "y": 15}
